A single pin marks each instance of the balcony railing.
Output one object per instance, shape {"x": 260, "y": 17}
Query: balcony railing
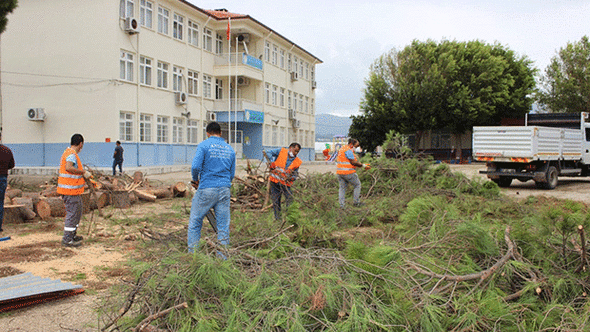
{"x": 240, "y": 59}
{"x": 222, "y": 105}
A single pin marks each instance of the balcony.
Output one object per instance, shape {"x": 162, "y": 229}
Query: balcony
{"x": 243, "y": 110}
{"x": 241, "y": 64}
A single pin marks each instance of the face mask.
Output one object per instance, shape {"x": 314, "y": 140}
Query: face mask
{"x": 291, "y": 154}
{"x": 357, "y": 149}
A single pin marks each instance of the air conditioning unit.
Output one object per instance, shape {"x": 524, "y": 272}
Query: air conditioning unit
{"x": 244, "y": 37}
{"x": 36, "y": 114}
{"x": 243, "y": 81}
{"x": 131, "y": 26}
{"x": 296, "y": 123}
{"x": 292, "y": 114}
{"x": 180, "y": 98}
{"x": 314, "y": 84}
{"x": 294, "y": 76}
{"x": 211, "y": 116}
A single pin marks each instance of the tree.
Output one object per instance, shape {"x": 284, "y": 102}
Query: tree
{"x": 565, "y": 87}
{"x": 6, "y": 7}
{"x": 448, "y": 85}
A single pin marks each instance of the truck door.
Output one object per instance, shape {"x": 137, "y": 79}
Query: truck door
{"x": 586, "y": 144}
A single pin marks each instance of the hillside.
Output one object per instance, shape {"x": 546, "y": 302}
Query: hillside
{"x": 328, "y": 125}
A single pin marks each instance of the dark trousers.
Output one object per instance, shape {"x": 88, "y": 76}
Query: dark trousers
{"x": 115, "y": 163}
{"x": 277, "y": 191}
{"x": 73, "y": 215}
{"x": 3, "y": 183}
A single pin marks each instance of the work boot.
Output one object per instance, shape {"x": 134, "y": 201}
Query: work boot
{"x": 78, "y": 238}
{"x": 71, "y": 243}
{"x": 359, "y": 204}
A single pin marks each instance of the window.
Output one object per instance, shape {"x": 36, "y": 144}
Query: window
{"x": 162, "y": 75}
{"x": 295, "y": 101}
{"x": 301, "y": 69}
{"x": 306, "y": 71}
{"x": 306, "y": 104}
{"x": 163, "y": 18}
{"x": 204, "y": 130}
{"x": 312, "y": 73}
{"x": 275, "y": 55}
{"x": 162, "y": 129}
{"x": 127, "y": 8}
{"x": 193, "y": 83}
{"x": 145, "y": 70}
{"x": 126, "y": 66}
{"x": 178, "y": 26}
{"x": 206, "y": 86}
{"x": 300, "y": 103}
{"x": 312, "y": 106}
{"x": 219, "y": 44}
{"x": 274, "y": 136}
{"x": 126, "y": 126}
{"x": 267, "y": 135}
{"x": 306, "y": 138}
{"x": 218, "y": 89}
{"x": 145, "y": 128}
{"x": 266, "y": 51}
{"x": 289, "y": 100}
{"x": 267, "y": 93}
{"x": 440, "y": 140}
{"x": 289, "y": 62}
{"x": 192, "y": 131}
{"x": 177, "y": 128}
{"x": 282, "y": 98}
{"x": 282, "y": 59}
{"x": 207, "y": 39}
{"x": 146, "y": 12}
{"x": 193, "y": 33}
{"x": 274, "y": 94}
{"x": 282, "y": 138}
{"x": 176, "y": 78}
{"x": 295, "y": 64}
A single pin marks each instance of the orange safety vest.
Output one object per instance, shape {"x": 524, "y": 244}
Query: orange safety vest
{"x": 279, "y": 174}
{"x": 69, "y": 184}
{"x": 343, "y": 164}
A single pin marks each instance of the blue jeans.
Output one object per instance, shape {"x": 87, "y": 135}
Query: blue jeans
{"x": 3, "y": 184}
{"x": 205, "y": 199}
{"x": 115, "y": 163}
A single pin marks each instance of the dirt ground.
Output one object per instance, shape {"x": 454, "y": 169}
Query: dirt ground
{"x": 35, "y": 248}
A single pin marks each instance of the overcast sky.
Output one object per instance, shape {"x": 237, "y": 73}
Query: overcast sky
{"x": 349, "y": 35}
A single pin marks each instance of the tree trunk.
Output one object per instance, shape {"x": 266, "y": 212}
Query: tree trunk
{"x": 137, "y": 177}
{"x": 179, "y": 189}
{"x": 120, "y": 199}
{"x": 12, "y": 193}
{"x": 13, "y": 215}
{"x": 160, "y": 192}
{"x": 132, "y": 198}
{"x": 101, "y": 198}
{"x": 26, "y": 201}
{"x": 143, "y": 195}
{"x": 34, "y": 198}
{"x": 86, "y": 202}
{"x": 50, "y": 192}
{"x": 27, "y": 213}
{"x": 51, "y": 207}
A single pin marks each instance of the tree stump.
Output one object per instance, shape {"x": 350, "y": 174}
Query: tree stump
{"x": 12, "y": 193}
{"x": 51, "y": 207}
{"x": 132, "y": 198}
{"x": 102, "y": 199}
{"x": 86, "y": 202}
{"x": 179, "y": 189}
{"x": 13, "y": 215}
{"x": 120, "y": 199}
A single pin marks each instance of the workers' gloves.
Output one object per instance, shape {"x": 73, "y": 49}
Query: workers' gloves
{"x": 273, "y": 165}
{"x": 367, "y": 166}
{"x": 87, "y": 175}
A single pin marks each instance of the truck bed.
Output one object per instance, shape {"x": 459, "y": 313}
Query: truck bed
{"x": 526, "y": 143}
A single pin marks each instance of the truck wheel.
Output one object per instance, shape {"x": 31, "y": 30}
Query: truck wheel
{"x": 503, "y": 181}
{"x": 551, "y": 178}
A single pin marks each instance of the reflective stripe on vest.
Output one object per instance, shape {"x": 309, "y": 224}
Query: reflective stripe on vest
{"x": 343, "y": 165}
{"x": 68, "y": 183}
{"x": 279, "y": 174}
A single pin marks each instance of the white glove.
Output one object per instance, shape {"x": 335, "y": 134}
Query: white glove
{"x": 87, "y": 175}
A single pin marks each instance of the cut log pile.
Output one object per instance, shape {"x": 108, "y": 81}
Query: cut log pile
{"x": 120, "y": 192}
{"x": 253, "y": 190}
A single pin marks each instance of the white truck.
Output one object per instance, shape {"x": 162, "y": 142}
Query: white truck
{"x": 547, "y": 146}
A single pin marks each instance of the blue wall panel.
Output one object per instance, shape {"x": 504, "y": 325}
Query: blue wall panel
{"x": 252, "y": 141}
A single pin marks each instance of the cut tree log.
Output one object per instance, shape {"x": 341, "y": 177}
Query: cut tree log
{"x": 26, "y": 201}
{"x": 137, "y": 177}
{"x": 12, "y": 193}
{"x": 34, "y": 198}
{"x": 143, "y": 195}
{"x": 51, "y": 207}
{"x": 7, "y": 200}
{"x": 27, "y": 213}
{"x": 13, "y": 215}
{"x": 86, "y": 202}
{"x": 101, "y": 198}
{"x": 162, "y": 192}
{"x": 50, "y": 192}
{"x": 180, "y": 189}
{"x": 132, "y": 198}
{"x": 120, "y": 199}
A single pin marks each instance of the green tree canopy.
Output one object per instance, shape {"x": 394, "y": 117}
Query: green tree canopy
{"x": 448, "y": 85}
{"x": 565, "y": 87}
{"x": 6, "y": 7}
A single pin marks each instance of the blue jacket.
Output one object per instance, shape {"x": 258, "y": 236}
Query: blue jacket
{"x": 214, "y": 165}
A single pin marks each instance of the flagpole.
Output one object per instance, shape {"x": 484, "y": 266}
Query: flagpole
{"x": 229, "y": 80}
{"x": 236, "y": 97}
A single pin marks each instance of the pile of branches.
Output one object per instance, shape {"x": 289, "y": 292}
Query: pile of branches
{"x": 253, "y": 192}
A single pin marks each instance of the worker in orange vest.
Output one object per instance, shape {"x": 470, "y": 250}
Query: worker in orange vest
{"x": 284, "y": 170}
{"x": 346, "y": 162}
{"x": 70, "y": 184}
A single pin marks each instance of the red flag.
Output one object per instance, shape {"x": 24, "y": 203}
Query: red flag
{"x": 228, "y": 27}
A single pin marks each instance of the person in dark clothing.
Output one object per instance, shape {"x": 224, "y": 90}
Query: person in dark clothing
{"x": 118, "y": 159}
{"x": 6, "y": 163}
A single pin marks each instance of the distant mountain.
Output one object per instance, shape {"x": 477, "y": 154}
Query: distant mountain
{"x": 328, "y": 125}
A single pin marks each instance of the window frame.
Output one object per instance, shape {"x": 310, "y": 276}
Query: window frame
{"x": 178, "y": 26}
{"x": 126, "y": 65}
{"x": 177, "y": 73}
{"x": 162, "y": 128}
{"x": 127, "y": 6}
{"x": 208, "y": 39}
{"x": 192, "y": 128}
{"x": 192, "y": 82}
{"x": 193, "y": 33}
{"x": 163, "y": 20}
{"x": 162, "y": 75}
{"x": 145, "y": 127}
{"x": 126, "y": 126}
{"x": 144, "y": 9}
{"x": 207, "y": 82}
{"x": 145, "y": 70}
{"x": 177, "y": 129}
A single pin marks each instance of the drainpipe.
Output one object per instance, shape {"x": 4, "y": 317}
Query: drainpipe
{"x": 203, "y": 117}
{"x": 264, "y": 82}
{"x": 137, "y": 102}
